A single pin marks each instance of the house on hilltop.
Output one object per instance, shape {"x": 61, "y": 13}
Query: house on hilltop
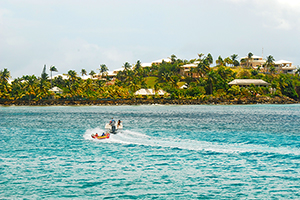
{"x": 281, "y": 66}
{"x": 187, "y": 70}
{"x": 156, "y": 62}
{"x": 253, "y": 62}
{"x": 284, "y": 66}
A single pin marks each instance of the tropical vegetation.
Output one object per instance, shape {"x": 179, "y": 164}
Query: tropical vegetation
{"x": 205, "y": 81}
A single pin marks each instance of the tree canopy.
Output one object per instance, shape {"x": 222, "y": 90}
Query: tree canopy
{"x": 203, "y": 81}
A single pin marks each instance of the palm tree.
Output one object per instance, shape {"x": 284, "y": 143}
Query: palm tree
{"x": 72, "y": 75}
{"x": 249, "y": 58}
{"x": 17, "y": 89}
{"x": 92, "y": 73}
{"x": 133, "y": 84}
{"x": 243, "y": 61}
{"x": 30, "y": 87}
{"x": 211, "y": 79}
{"x": 83, "y": 72}
{"x": 220, "y": 61}
{"x": 127, "y": 66}
{"x": 87, "y": 88}
{"x": 228, "y": 61}
{"x": 72, "y": 84}
{"x": 44, "y": 75}
{"x": 43, "y": 82}
{"x": 193, "y": 71}
{"x": 209, "y": 58}
{"x": 103, "y": 69}
{"x": 52, "y": 69}
{"x": 203, "y": 67}
{"x": 173, "y": 58}
{"x": 225, "y": 72}
{"x": 269, "y": 62}
{"x": 4, "y": 75}
{"x": 234, "y": 61}
{"x": 282, "y": 82}
{"x": 174, "y": 81}
{"x": 272, "y": 69}
{"x": 233, "y": 57}
{"x": 200, "y": 55}
{"x": 138, "y": 66}
{"x": 5, "y": 88}
{"x": 166, "y": 76}
{"x": 59, "y": 81}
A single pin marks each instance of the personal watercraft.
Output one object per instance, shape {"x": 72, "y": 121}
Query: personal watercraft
{"x": 108, "y": 128}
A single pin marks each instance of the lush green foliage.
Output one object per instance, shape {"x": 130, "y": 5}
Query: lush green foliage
{"x": 203, "y": 81}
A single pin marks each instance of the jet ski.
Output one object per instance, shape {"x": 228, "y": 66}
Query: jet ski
{"x": 96, "y": 136}
{"x": 108, "y": 128}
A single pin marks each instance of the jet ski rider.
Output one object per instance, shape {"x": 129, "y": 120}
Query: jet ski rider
{"x": 113, "y": 125}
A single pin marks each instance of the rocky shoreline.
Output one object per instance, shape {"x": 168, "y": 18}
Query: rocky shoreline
{"x": 211, "y": 101}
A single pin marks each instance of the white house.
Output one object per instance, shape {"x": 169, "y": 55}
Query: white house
{"x": 56, "y": 90}
{"x": 248, "y": 82}
{"x": 149, "y": 92}
{"x": 254, "y": 62}
{"x": 156, "y": 62}
{"x": 185, "y": 70}
{"x": 87, "y": 77}
{"x": 110, "y": 74}
{"x": 284, "y": 66}
{"x": 161, "y": 60}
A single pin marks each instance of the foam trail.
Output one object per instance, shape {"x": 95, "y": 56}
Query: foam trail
{"x": 131, "y": 137}
{"x": 233, "y": 148}
{"x": 89, "y": 132}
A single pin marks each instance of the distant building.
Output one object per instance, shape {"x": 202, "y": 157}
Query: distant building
{"x": 88, "y": 77}
{"x": 254, "y": 62}
{"x": 56, "y": 90}
{"x": 248, "y": 82}
{"x": 283, "y": 66}
{"x": 145, "y": 92}
{"x": 109, "y": 74}
{"x": 168, "y": 60}
{"x": 156, "y": 62}
{"x": 187, "y": 70}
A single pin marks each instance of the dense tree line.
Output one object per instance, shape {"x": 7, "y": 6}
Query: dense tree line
{"x": 204, "y": 81}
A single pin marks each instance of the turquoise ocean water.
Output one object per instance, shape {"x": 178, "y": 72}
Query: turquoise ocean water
{"x": 164, "y": 152}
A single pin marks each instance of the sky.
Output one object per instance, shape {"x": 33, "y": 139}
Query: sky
{"x": 83, "y": 34}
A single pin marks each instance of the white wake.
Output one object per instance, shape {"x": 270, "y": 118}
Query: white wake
{"x": 136, "y": 138}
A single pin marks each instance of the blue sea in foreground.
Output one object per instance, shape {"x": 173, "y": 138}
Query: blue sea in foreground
{"x": 163, "y": 152}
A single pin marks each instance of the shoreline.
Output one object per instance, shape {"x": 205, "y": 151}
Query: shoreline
{"x": 211, "y": 101}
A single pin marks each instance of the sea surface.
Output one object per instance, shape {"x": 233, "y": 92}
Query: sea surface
{"x": 163, "y": 152}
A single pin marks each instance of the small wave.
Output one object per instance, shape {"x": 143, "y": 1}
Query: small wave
{"x": 235, "y": 148}
{"x": 135, "y": 133}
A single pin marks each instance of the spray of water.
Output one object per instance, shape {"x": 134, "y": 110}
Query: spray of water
{"x": 136, "y": 138}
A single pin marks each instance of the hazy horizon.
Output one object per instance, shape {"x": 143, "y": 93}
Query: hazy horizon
{"x": 82, "y": 35}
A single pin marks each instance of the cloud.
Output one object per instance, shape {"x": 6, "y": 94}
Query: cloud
{"x": 75, "y": 34}
{"x": 275, "y": 14}
{"x": 67, "y": 54}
